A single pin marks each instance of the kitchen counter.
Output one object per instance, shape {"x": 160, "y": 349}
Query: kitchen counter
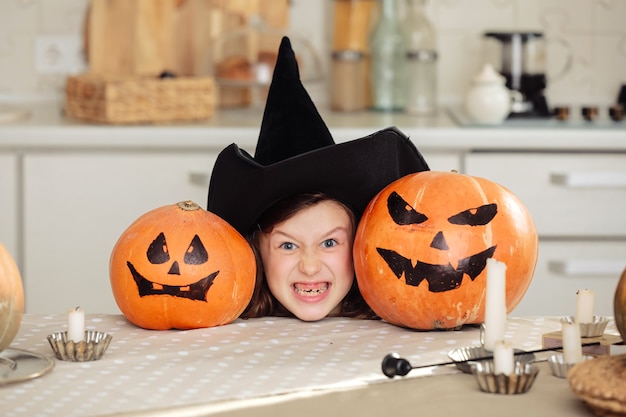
{"x": 47, "y": 128}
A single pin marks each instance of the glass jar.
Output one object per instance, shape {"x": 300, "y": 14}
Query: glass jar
{"x": 388, "y": 48}
{"x": 421, "y": 60}
{"x": 348, "y": 73}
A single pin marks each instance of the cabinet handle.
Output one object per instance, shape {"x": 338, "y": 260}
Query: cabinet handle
{"x": 589, "y": 179}
{"x": 199, "y": 178}
{"x": 587, "y": 267}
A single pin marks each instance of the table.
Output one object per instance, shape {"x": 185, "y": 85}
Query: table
{"x": 274, "y": 366}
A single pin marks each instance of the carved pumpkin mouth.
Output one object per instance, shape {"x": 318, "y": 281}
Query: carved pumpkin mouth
{"x": 440, "y": 278}
{"x": 195, "y": 291}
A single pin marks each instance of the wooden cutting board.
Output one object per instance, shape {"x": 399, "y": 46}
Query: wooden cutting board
{"x": 130, "y": 36}
{"x": 146, "y": 37}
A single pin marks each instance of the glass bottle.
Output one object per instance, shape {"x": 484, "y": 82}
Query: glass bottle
{"x": 421, "y": 60}
{"x": 388, "y": 59}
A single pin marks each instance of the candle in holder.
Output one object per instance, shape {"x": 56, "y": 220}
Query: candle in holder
{"x": 503, "y": 358}
{"x": 584, "y": 306}
{"x": 495, "y": 308}
{"x": 572, "y": 348}
{"x": 76, "y": 325}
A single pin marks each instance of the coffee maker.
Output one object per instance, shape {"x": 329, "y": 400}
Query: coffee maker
{"x": 520, "y": 58}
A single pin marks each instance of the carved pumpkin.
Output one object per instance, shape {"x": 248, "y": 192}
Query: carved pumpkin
{"x": 619, "y": 306}
{"x": 180, "y": 266}
{"x": 422, "y": 245}
{"x": 11, "y": 298}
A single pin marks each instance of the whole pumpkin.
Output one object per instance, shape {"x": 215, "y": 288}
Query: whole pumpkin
{"x": 11, "y": 298}
{"x": 181, "y": 267}
{"x": 422, "y": 245}
{"x": 619, "y": 305}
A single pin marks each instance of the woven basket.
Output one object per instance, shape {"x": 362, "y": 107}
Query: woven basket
{"x": 133, "y": 99}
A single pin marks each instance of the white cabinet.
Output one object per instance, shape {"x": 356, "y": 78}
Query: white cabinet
{"x": 76, "y": 205}
{"x": 9, "y": 204}
{"x": 568, "y": 194}
{"x": 577, "y": 201}
{"x": 565, "y": 267}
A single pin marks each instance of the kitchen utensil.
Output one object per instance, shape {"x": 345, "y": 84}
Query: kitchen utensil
{"x": 521, "y": 58}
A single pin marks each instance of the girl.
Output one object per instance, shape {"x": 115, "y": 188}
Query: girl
{"x": 299, "y": 199}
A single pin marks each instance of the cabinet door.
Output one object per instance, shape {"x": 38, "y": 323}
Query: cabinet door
{"x": 9, "y": 219}
{"x": 568, "y": 195}
{"x": 563, "y": 268}
{"x": 77, "y": 205}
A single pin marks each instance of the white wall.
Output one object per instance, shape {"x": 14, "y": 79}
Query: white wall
{"x": 595, "y": 29}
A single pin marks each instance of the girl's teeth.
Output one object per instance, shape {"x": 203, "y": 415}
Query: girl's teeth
{"x": 311, "y": 291}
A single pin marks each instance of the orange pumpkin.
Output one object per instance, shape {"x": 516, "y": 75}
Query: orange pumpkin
{"x": 619, "y": 305}
{"x": 182, "y": 267}
{"x": 422, "y": 245}
{"x": 11, "y": 298}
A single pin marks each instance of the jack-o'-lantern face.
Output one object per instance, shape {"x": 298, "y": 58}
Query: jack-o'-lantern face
{"x": 195, "y": 258}
{"x": 440, "y": 276}
{"x": 180, "y": 266}
{"x": 422, "y": 247}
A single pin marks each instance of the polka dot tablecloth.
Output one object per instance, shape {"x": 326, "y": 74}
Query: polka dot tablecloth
{"x": 147, "y": 370}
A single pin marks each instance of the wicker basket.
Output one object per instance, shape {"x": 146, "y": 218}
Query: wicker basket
{"x": 128, "y": 99}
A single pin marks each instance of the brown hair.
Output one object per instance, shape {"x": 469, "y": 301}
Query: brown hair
{"x": 263, "y": 302}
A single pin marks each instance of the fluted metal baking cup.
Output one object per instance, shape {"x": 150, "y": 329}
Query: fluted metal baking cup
{"x": 91, "y": 349}
{"x": 558, "y": 366}
{"x": 593, "y": 329}
{"x": 518, "y": 382}
{"x": 466, "y": 356}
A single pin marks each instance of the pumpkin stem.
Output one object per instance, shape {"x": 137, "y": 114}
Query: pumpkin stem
{"x": 188, "y": 205}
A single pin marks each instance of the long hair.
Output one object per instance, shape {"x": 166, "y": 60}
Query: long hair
{"x": 263, "y": 302}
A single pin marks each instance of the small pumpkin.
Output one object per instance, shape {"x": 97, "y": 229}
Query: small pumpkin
{"x": 619, "y": 306}
{"x": 11, "y": 298}
{"x": 181, "y": 267}
{"x": 422, "y": 245}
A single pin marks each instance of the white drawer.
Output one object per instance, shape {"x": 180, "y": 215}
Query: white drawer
{"x": 567, "y": 194}
{"x": 565, "y": 267}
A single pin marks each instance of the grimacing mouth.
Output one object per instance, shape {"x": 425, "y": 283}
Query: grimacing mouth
{"x": 194, "y": 291}
{"x": 440, "y": 278}
{"x": 311, "y": 291}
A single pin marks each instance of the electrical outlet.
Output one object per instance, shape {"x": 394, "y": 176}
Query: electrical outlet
{"x": 59, "y": 54}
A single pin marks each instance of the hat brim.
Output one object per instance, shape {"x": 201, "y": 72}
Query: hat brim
{"x": 352, "y": 172}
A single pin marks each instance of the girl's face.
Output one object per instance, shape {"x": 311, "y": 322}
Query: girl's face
{"x": 308, "y": 260}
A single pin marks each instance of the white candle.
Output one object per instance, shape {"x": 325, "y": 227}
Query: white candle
{"x": 76, "y": 325}
{"x": 584, "y": 306}
{"x": 572, "y": 348}
{"x": 503, "y": 358}
{"x": 495, "y": 308}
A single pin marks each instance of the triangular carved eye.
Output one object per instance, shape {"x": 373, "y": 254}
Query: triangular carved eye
{"x": 401, "y": 212}
{"x": 478, "y": 216}
{"x": 157, "y": 251}
{"x": 196, "y": 253}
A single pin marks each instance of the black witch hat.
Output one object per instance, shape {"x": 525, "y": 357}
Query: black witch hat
{"x": 296, "y": 154}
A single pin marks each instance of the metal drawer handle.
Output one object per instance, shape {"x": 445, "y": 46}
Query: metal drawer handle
{"x": 589, "y": 179}
{"x": 199, "y": 178}
{"x": 588, "y": 267}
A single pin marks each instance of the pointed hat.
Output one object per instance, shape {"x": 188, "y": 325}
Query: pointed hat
{"x": 296, "y": 154}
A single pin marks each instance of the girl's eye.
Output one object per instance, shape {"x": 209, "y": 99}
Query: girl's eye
{"x": 329, "y": 243}
{"x": 288, "y": 246}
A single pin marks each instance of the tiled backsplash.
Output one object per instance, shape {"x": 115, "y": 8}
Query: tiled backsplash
{"x": 595, "y": 31}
